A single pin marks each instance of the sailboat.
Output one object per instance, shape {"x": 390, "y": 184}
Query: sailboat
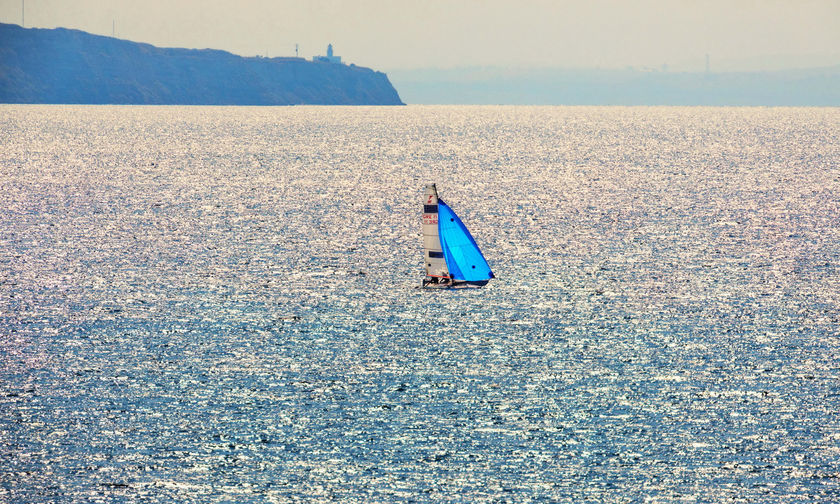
{"x": 452, "y": 258}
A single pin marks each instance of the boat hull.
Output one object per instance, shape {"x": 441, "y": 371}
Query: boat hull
{"x": 426, "y": 284}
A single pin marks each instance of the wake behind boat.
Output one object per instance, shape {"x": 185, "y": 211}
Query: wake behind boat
{"x": 452, "y": 257}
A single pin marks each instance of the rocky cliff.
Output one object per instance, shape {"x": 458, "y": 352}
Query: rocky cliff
{"x": 71, "y": 66}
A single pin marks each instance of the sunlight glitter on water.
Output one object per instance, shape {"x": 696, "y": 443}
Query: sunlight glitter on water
{"x": 218, "y": 304}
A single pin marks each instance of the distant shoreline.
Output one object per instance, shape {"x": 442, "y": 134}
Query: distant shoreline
{"x": 816, "y": 87}
{"x": 62, "y": 66}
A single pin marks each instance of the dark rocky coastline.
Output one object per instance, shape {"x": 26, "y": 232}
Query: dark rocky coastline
{"x": 75, "y": 67}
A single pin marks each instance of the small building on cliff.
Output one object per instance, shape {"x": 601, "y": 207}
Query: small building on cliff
{"x": 329, "y": 58}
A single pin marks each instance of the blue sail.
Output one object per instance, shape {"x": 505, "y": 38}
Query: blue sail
{"x": 463, "y": 258}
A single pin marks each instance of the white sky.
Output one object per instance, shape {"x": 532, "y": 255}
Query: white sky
{"x": 393, "y": 34}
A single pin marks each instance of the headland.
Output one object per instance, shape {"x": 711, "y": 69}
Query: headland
{"x": 74, "y": 67}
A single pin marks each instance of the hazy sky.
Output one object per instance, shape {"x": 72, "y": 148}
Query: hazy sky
{"x": 393, "y": 34}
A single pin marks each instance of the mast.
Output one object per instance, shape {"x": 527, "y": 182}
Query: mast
{"x": 434, "y": 262}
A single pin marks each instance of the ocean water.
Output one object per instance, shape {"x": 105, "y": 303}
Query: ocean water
{"x": 204, "y": 304}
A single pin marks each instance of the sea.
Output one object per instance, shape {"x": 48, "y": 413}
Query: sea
{"x": 221, "y": 304}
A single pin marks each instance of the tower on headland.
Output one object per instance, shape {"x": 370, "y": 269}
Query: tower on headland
{"x": 329, "y": 58}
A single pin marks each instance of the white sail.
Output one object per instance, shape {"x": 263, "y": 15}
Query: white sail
{"x": 433, "y": 254}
